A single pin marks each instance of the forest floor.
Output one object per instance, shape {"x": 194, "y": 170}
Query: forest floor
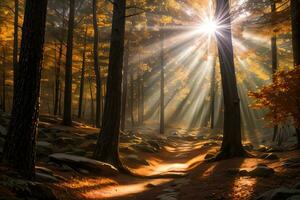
{"x": 61, "y": 166}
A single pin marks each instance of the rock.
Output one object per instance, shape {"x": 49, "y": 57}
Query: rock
{"x": 201, "y": 137}
{"x": 262, "y": 148}
{"x": 296, "y": 197}
{"x": 154, "y": 144}
{"x": 275, "y": 149}
{"x": 64, "y": 141}
{"x": 269, "y": 156}
{"x": 79, "y": 162}
{"x": 292, "y": 163}
{"x": 145, "y": 148}
{"x": 209, "y": 144}
{"x": 43, "y": 149}
{"x": 248, "y": 147}
{"x": 150, "y": 185}
{"x": 78, "y": 152}
{"x": 168, "y": 196}
{"x": 209, "y": 156}
{"x": 261, "y": 171}
{"x": 279, "y": 194}
{"x": 136, "y": 159}
{"x": 44, "y": 170}
{"x": 41, "y": 177}
{"x": 3, "y": 131}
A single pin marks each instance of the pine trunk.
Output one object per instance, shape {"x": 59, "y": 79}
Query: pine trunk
{"x": 213, "y": 94}
{"x": 19, "y": 149}
{"x": 82, "y": 78}
{"x": 295, "y": 16}
{"x": 67, "y": 118}
{"x": 132, "y": 99}
{"x": 96, "y": 66}
{"x": 232, "y": 141}
{"x": 125, "y": 86}
{"x": 162, "y": 84}
{"x": 4, "y": 80}
{"x": 274, "y": 58}
{"x": 16, "y": 40}
{"x": 107, "y": 149}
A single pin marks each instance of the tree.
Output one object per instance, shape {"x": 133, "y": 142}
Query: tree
{"x": 19, "y": 149}
{"x": 274, "y": 57}
{"x": 82, "y": 78}
{"x": 96, "y": 66}
{"x": 67, "y": 118}
{"x": 3, "y": 79}
{"x": 162, "y": 84}
{"x": 231, "y": 145}
{"x": 213, "y": 93}
{"x": 16, "y": 38}
{"x": 295, "y": 16}
{"x": 107, "y": 148}
{"x": 125, "y": 85}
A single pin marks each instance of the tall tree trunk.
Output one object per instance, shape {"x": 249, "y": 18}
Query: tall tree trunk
{"x": 107, "y": 149}
{"x": 125, "y": 86}
{"x": 295, "y": 15}
{"x": 142, "y": 99}
{"x": 4, "y": 80}
{"x": 19, "y": 149}
{"x": 139, "y": 91}
{"x": 274, "y": 58}
{"x": 16, "y": 40}
{"x": 96, "y": 67}
{"x": 213, "y": 93}
{"x": 82, "y": 75}
{"x": 132, "y": 99}
{"x": 67, "y": 118}
{"x": 57, "y": 79}
{"x": 162, "y": 84}
{"x": 232, "y": 141}
{"x": 57, "y": 95}
{"x": 92, "y": 100}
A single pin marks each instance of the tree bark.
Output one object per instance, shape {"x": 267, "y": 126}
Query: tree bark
{"x": 4, "y": 80}
{"x": 125, "y": 86}
{"x": 19, "y": 149}
{"x": 107, "y": 149}
{"x": 67, "y": 118}
{"x": 232, "y": 144}
{"x": 96, "y": 67}
{"x": 295, "y": 19}
{"x": 58, "y": 70}
{"x": 132, "y": 99}
{"x": 213, "y": 93}
{"x": 16, "y": 40}
{"x": 274, "y": 58}
{"x": 92, "y": 100}
{"x": 82, "y": 75}
{"x": 162, "y": 84}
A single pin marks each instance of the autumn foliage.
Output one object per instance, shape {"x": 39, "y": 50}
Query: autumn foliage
{"x": 282, "y": 97}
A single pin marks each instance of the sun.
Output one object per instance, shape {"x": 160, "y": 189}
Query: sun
{"x": 209, "y": 27}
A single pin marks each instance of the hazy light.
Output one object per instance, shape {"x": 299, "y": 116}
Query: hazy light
{"x": 209, "y": 26}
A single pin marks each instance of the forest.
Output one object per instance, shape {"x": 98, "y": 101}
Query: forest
{"x": 150, "y": 99}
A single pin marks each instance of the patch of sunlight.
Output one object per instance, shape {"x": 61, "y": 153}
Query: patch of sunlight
{"x": 122, "y": 190}
{"x": 84, "y": 183}
{"x": 174, "y": 167}
{"x": 243, "y": 187}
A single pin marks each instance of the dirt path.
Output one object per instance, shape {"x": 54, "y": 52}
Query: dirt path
{"x": 202, "y": 181}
